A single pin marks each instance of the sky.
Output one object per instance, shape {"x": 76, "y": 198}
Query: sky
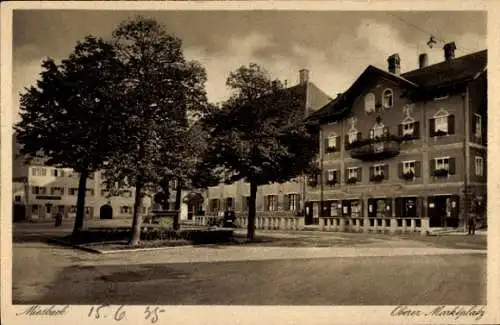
{"x": 335, "y": 46}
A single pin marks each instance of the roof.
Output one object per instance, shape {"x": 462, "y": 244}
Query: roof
{"x": 460, "y": 69}
{"x": 437, "y": 75}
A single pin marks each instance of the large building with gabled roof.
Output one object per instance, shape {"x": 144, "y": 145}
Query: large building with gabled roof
{"x": 400, "y": 150}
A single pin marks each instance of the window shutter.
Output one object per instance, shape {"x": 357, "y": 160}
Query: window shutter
{"x": 399, "y": 207}
{"x": 358, "y": 136}
{"x": 359, "y": 173}
{"x": 451, "y": 124}
{"x": 418, "y": 168}
{"x": 286, "y": 202}
{"x": 297, "y": 202}
{"x": 432, "y": 164}
{"x": 386, "y": 171}
{"x": 325, "y": 177}
{"x": 337, "y": 143}
{"x": 400, "y": 130}
{"x": 474, "y": 129}
{"x": 326, "y": 145}
{"x": 336, "y": 176}
{"x": 346, "y": 140}
{"x": 372, "y": 171}
{"x": 432, "y": 124}
{"x": 401, "y": 170}
{"x": 416, "y": 129}
{"x": 346, "y": 176}
{"x": 452, "y": 166}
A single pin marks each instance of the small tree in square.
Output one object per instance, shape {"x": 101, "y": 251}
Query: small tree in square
{"x": 259, "y": 134}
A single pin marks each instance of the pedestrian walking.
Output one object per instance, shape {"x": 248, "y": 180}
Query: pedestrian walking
{"x": 58, "y": 218}
{"x": 472, "y": 225}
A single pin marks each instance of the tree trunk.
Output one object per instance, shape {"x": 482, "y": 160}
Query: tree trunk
{"x": 136, "y": 220}
{"x": 80, "y": 202}
{"x": 178, "y": 194}
{"x": 164, "y": 184}
{"x": 251, "y": 211}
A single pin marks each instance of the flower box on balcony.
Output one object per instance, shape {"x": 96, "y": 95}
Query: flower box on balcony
{"x": 313, "y": 183}
{"x": 331, "y": 183}
{"x": 440, "y": 133}
{"x": 331, "y": 149}
{"x": 377, "y": 178}
{"x": 408, "y": 176}
{"x": 352, "y": 180}
{"x": 408, "y": 137}
{"x": 441, "y": 173}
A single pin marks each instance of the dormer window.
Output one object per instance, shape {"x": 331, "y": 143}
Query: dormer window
{"x": 369, "y": 103}
{"x": 387, "y": 98}
{"x": 442, "y": 124}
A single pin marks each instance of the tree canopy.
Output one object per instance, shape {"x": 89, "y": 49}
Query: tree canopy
{"x": 68, "y": 117}
{"x": 259, "y": 134}
{"x": 159, "y": 89}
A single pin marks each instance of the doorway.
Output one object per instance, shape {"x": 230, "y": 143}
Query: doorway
{"x": 106, "y": 212}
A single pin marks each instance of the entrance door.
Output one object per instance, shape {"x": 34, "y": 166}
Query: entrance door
{"x": 410, "y": 207}
{"x": 19, "y": 212}
{"x": 308, "y": 213}
{"x": 437, "y": 211}
{"x": 106, "y": 212}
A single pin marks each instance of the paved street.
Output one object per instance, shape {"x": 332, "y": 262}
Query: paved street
{"x": 320, "y": 269}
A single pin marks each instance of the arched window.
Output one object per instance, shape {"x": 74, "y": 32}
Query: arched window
{"x": 387, "y": 98}
{"x": 370, "y": 103}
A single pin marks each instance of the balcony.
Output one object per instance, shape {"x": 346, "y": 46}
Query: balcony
{"x": 376, "y": 149}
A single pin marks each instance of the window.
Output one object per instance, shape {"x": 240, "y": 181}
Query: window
{"x": 334, "y": 209}
{"x": 441, "y": 124}
{"x": 17, "y": 198}
{"x": 127, "y": 193}
{"x": 369, "y": 103}
{"x": 332, "y": 176}
{"x": 352, "y": 136}
{"x": 387, "y": 98}
{"x": 378, "y": 170}
{"x": 48, "y": 208}
{"x": 272, "y": 203}
{"x": 57, "y": 191}
{"x": 442, "y": 163}
{"x": 89, "y": 210}
{"x": 54, "y": 172}
{"x": 39, "y": 190}
{"x": 229, "y": 203}
{"x": 331, "y": 143}
{"x": 478, "y": 129}
{"x": 125, "y": 209}
{"x": 34, "y": 209}
{"x": 72, "y": 209}
{"x": 73, "y": 191}
{"x": 38, "y": 171}
{"x": 246, "y": 202}
{"x": 104, "y": 192}
{"x": 409, "y": 167}
{"x": 292, "y": 202}
{"x": 89, "y": 192}
{"x": 408, "y": 128}
{"x": 378, "y": 130}
{"x": 479, "y": 166}
{"x": 353, "y": 172}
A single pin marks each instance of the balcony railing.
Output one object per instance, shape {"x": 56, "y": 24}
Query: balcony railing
{"x": 376, "y": 148}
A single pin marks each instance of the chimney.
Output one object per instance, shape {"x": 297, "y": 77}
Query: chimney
{"x": 423, "y": 60}
{"x": 303, "y": 76}
{"x": 394, "y": 64}
{"x": 449, "y": 51}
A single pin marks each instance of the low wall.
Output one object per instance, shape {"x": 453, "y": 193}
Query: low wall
{"x": 339, "y": 224}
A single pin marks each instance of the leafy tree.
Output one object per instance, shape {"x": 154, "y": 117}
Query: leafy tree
{"x": 67, "y": 118}
{"x": 259, "y": 134}
{"x": 159, "y": 88}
